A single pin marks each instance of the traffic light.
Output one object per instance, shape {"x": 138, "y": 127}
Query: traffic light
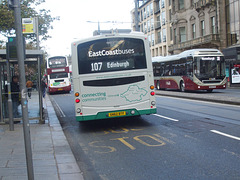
{"x": 11, "y": 4}
{"x": 11, "y": 48}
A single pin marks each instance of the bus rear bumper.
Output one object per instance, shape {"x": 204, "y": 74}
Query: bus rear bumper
{"x": 58, "y": 89}
{"x": 117, "y": 114}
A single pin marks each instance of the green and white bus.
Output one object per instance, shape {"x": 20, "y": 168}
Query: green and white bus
{"x": 112, "y": 77}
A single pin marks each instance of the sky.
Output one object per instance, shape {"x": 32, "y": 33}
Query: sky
{"x": 74, "y": 15}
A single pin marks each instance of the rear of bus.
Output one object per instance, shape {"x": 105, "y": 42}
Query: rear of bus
{"x": 58, "y": 74}
{"x": 112, "y": 77}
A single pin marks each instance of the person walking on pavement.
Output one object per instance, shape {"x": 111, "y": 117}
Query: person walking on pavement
{"x": 43, "y": 87}
{"x": 15, "y": 95}
{"x": 29, "y": 85}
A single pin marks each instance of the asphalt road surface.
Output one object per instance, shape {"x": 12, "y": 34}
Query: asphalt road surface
{"x": 186, "y": 139}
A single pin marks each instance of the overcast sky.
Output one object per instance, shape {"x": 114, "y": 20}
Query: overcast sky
{"x": 74, "y": 15}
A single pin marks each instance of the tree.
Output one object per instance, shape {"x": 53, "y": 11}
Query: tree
{"x": 27, "y": 11}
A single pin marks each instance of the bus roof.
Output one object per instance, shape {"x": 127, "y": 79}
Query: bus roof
{"x": 192, "y": 52}
{"x": 132, "y": 34}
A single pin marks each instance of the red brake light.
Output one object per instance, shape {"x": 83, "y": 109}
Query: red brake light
{"x": 77, "y": 100}
{"x": 152, "y": 93}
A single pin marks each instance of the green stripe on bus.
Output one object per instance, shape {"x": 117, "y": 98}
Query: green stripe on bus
{"x": 104, "y": 115}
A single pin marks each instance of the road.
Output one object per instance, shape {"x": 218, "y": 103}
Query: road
{"x": 186, "y": 139}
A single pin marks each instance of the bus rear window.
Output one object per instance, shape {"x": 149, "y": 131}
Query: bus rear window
{"x": 111, "y": 54}
{"x": 56, "y": 62}
{"x": 58, "y": 75}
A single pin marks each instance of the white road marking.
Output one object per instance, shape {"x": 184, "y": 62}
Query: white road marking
{"x": 58, "y": 107}
{"x": 171, "y": 119}
{"x": 227, "y": 135}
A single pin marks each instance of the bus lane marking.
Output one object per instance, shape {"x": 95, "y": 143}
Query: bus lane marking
{"x": 137, "y": 138}
{"x": 121, "y": 130}
{"x": 122, "y": 140}
{"x": 109, "y": 148}
{"x": 224, "y": 134}
{"x": 171, "y": 119}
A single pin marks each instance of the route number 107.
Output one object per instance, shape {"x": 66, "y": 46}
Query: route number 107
{"x": 97, "y": 66}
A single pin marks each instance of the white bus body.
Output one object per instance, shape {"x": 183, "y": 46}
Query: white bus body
{"x": 112, "y": 77}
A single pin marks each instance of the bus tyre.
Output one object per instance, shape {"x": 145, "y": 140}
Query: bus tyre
{"x": 182, "y": 86}
{"x": 209, "y": 90}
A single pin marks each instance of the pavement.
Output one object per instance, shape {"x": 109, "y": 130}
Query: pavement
{"x": 223, "y": 96}
{"x": 51, "y": 153}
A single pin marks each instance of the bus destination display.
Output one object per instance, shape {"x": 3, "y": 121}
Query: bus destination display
{"x": 115, "y": 54}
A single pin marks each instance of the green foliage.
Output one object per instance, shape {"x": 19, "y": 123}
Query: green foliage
{"x": 28, "y": 11}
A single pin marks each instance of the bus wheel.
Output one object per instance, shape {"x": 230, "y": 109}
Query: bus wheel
{"x": 182, "y": 86}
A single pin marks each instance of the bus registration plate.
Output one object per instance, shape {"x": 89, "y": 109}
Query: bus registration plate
{"x": 60, "y": 89}
{"x": 115, "y": 114}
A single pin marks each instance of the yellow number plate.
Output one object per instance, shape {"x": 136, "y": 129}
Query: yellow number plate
{"x": 114, "y": 114}
{"x": 60, "y": 89}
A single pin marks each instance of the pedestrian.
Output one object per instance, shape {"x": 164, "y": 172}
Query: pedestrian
{"x": 29, "y": 85}
{"x": 43, "y": 87}
{"x": 15, "y": 95}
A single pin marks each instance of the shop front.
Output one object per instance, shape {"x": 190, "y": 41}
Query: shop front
{"x": 232, "y": 58}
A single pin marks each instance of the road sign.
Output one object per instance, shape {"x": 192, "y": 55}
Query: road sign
{"x": 28, "y": 25}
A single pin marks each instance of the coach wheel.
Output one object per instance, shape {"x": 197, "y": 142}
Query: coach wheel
{"x": 209, "y": 90}
{"x": 182, "y": 86}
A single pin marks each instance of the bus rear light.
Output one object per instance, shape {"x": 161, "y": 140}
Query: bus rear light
{"x": 76, "y": 94}
{"x": 132, "y": 112}
{"x": 78, "y": 110}
{"x": 152, "y": 93}
{"x": 151, "y": 87}
{"x": 77, "y": 100}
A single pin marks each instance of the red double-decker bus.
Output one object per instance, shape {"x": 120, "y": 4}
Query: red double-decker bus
{"x": 58, "y": 74}
{"x": 197, "y": 69}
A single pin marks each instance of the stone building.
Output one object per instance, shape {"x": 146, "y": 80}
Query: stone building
{"x": 173, "y": 26}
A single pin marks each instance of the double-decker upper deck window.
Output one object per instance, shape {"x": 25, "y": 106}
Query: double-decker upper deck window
{"x": 57, "y": 62}
{"x": 111, "y": 54}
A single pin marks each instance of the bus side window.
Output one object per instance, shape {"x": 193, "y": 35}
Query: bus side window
{"x": 189, "y": 64}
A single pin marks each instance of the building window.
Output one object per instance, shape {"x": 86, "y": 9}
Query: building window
{"x": 180, "y": 4}
{"x": 163, "y": 18}
{"x": 151, "y": 8}
{"x": 152, "y": 24}
{"x": 153, "y": 39}
{"x": 171, "y": 34}
{"x": 149, "y": 26}
{"x": 170, "y": 15}
{"x": 163, "y": 3}
{"x": 182, "y": 32}
{"x": 173, "y": 5}
{"x": 213, "y": 27}
{"x": 193, "y": 31}
{"x": 175, "y": 36}
{"x": 159, "y": 37}
{"x": 145, "y": 27}
{"x": 158, "y": 23}
{"x": 144, "y": 13}
{"x": 164, "y": 38}
{"x": 202, "y": 28}
{"x": 149, "y": 39}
